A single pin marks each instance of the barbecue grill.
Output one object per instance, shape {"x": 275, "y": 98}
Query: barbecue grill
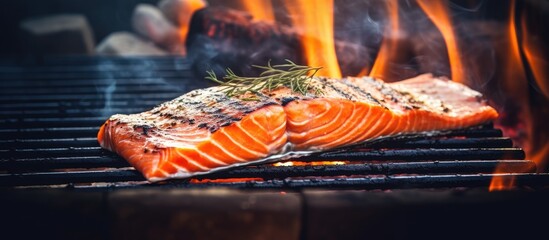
{"x": 52, "y": 112}
{"x": 52, "y": 109}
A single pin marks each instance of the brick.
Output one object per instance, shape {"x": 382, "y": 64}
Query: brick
{"x": 128, "y": 44}
{"x": 57, "y": 34}
{"x": 149, "y": 22}
{"x": 205, "y": 214}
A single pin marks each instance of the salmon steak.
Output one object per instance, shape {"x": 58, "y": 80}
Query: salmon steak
{"x": 204, "y": 130}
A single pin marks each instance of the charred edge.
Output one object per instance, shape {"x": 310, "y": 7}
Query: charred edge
{"x": 340, "y": 91}
{"x": 285, "y": 100}
{"x": 226, "y": 120}
{"x": 481, "y": 99}
{"x": 237, "y": 105}
{"x": 387, "y": 91}
{"x": 145, "y": 128}
{"x": 410, "y": 99}
{"x": 218, "y": 114}
{"x": 224, "y": 124}
{"x": 156, "y": 112}
{"x": 444, "y": 108}
{"x": 363, "y": 93}
{"x": 213, "y": 128}
{"x": 267, "y": 104}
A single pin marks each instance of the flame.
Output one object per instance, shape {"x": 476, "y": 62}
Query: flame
{"x": 260, "y": 9}
{"x": 387, "y": 51}
{"x": 516, "y": 88}
{"x": 532, "y": 47}
{"x": 540, "y": 157}
{"x": 501, "y": 182}
{"x": 316, "y": 21}
{"x": 439, "y": 14}
{"x": 187, "y": 9}
{"x": 539, "y": 66}
{"x": 515, "y": 75}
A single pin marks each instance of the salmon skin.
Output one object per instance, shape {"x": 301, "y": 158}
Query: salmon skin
{"x": 205, "y": 131}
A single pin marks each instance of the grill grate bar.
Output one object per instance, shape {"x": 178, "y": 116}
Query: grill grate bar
{"x": 75, "y": 158}
{"x": 94, "y": 69}
{"x": 75, "y": 132}
{"x": 76, "y": 105}
{"x": 70, "y": 96}
{"x": 530, "y": 180}
{"x": 390, "y": 154}
{"x": 421, "y": 154}
{"x": 92, "y": 75}
{"x": 91, "y": 83}
{"x": 132, "y": 89}
{"x": 499, "y": 142}
{"x": 436, "y": 167}
{"x": 69, "y": 112}
{"x": 43, "y": 164}
{"x": 53, "y": 122}
{"x": 268, "y": 173}
{"x": 490, "y": 142}
{"x": 402, "y": 182}
{"x": 32, "y": 133}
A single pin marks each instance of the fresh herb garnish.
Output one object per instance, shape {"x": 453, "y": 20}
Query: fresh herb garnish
{"x": 296, "y": 77}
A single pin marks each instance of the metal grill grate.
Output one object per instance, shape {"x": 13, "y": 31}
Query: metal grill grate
{"x": 51, "y": 112}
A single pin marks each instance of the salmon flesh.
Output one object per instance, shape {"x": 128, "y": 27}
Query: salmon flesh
{"x": 205, "y": 131}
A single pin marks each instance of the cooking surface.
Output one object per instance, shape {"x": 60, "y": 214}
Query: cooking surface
{"x": 52, "y": 110}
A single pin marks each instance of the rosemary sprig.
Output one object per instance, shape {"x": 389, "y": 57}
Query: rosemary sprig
{"x": 296, "y": 77}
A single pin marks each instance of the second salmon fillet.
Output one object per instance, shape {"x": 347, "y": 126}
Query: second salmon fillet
{"x": 205, "y": 131}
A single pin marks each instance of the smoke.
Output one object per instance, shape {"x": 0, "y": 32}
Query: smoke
{"x": 105, "y": 70}
{"x": 107, "y": 109}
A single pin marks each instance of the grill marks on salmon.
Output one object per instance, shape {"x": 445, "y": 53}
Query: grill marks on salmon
{"x": 204, "y": 131}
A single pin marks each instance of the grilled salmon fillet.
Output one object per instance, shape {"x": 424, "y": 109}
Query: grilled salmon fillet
{"x": 205, "y": 131}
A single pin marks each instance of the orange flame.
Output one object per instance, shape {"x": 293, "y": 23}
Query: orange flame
{"x": 316, "y": 21}
{"x": 500, "y": 183}
{"x": 515, "y": 86}
{"x": 540, "y": 157}
{"x": 439, "y": 14}
{"x": 187, "y": 9}
{"x": 539, "y": 66}
{"x": 515, "y": 75}
{"x": 260, "y": 9}
{"x": 380, "y": 68}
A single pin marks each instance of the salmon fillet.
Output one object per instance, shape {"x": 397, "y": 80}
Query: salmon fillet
{"x": 205, "y": 131}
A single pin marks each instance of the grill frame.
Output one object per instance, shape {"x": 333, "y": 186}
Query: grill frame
{"x": 52, "y": 110}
